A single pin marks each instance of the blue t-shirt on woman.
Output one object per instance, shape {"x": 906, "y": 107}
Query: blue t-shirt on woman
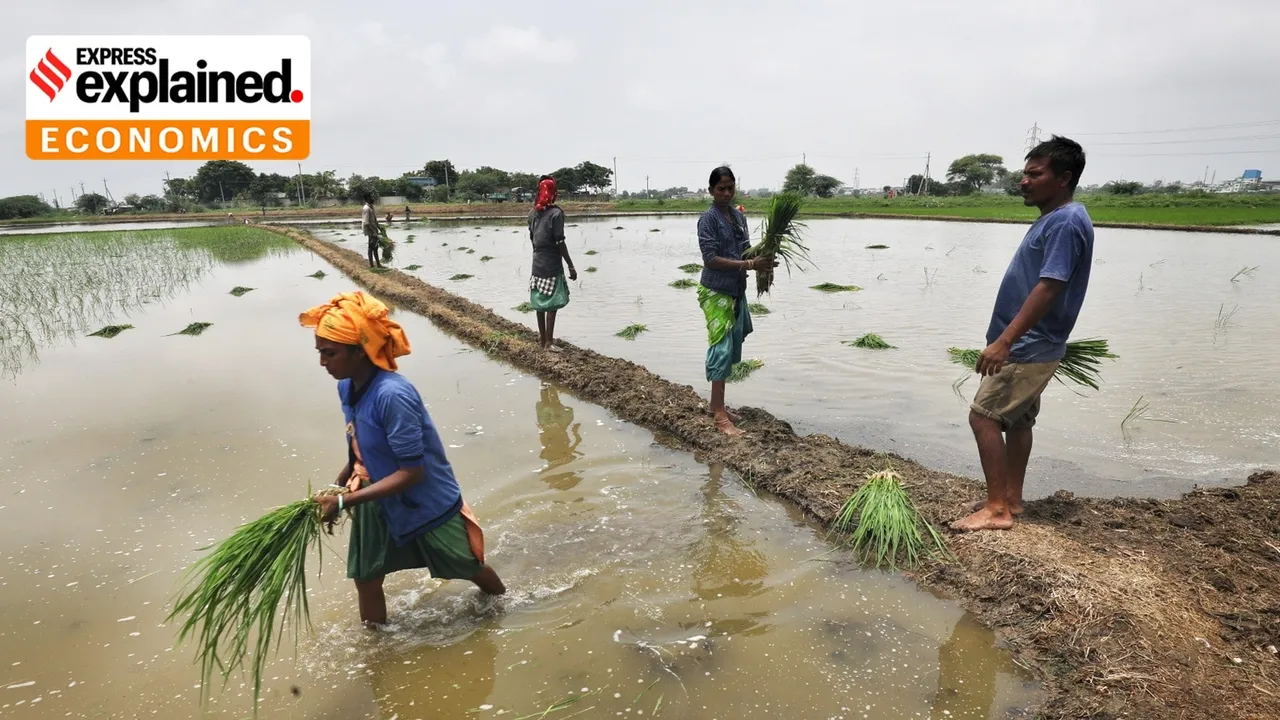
{"x": 1058, "y": 246}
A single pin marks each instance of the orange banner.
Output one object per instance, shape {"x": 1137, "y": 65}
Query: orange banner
{"x": 168, "y": 139}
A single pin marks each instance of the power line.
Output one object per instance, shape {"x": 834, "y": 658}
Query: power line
{"x": 1231, "y": 126}
{"x": 1190, "y": 142}
{"x": 1268, "y": 151}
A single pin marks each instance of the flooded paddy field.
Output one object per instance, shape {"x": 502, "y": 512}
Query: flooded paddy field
{"x": 643, "y": 581}
{"x": 1192, "y": 316}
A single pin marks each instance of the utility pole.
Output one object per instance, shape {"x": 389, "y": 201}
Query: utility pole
{"x": 108, "y": 191}
{"x": 924, "y": 184}
{"x": 646, "y": 187}
{"x": 1033, "y": 136}
{"x": 166, "y": 183}
{"x": 56, "y": 204}
{"x": 856, "y": 186}
{"x": 302, "y": 191}
{"x": 804, "y": 159}
{"x": 72, "y": 188}
{"x": 82, "y": 187}
{"x": 222, "y": 194}
{"x": 615, "y": 177}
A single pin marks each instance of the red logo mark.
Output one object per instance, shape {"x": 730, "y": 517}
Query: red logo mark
{"x": 50, "y": 75}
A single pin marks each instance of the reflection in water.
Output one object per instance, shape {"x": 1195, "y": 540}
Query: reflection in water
{"x": 554, "y": 425}
{"x": 967, "y": 669}
{"x": 725, "y": 565}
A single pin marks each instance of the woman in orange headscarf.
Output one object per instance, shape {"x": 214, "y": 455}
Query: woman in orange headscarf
{"x": 407, "y": 506}
{"x": 548, "y": 291}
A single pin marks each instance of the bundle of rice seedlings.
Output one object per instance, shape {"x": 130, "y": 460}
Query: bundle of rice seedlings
{"x": 877, "y": 247}
{"x": 591, "y": 252}
{"x": 240, "y": 290}
{"x": 758, "y": 309}
{"x": 462, "y": 276}
{"x": 234, "y": 593}
{"x": 870, "y": 341}
{"x": 194, "y": 329}
{"x": 682, "y": 284}
{"x": 631, "y": 331}
{"x": 111, "y": 331}
{"x": 385, "y": 244}
{"x": 413, "y": 267}
{"x": 1080, "y": 364}
{"x": 593, "y": 268}
{"x": 885, "y": 525}
{"x": 463, "y": 248}
{"x": 524, "y": 307}
{"x": 742, "y": 370}
{"x": 486, "y": 258}
{"x": 319, "y": 274}
{"x": 833, "y": 287}
{"x": 691, "y": 268}
{"x": 781, "y": 239}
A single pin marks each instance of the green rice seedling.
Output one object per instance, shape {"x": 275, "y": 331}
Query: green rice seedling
{"x": 486, "y": 258}
{"x": 1224, "y": 318}
{"x": 682, "y": 284}
{"x": 883, "y": 525}
{"x": 233, "y": 594}
{"x": 319, "y": 274}
{"x": 877, "y": 247}
{"x": 781, "y": 239}
{"x": 870, "y": 341}
{"x": 463, "y": 248}
{"x": 1245, "y": 271}
{"x": 523, "y": 307}
{"x": 631, "y": 331}
{"x": 412, "y": 267}
{"x": 691, "y": 268}
{"x": 194, "y": 329}
{"x": 654, "y": 230}
{"x": 462, "y": 276}
{"x": 593, "y": 268}
{"x": 591, "y": 252}
{"x": 444, "y": 244}
{"x": 386, "y": 244}
{"x": 410, "y": 237}
{"x": 470, "y": 251}
{"x": 1080, "y": 364}
{"x": 240, "y": 290}
{"x": 833, "y": 287}
{"x": 111, "y": 331}
{"x": 380, "y": 270}
{"x": 742, "y": 370}
{"x": 619, "y": 228}
{"x": 758, "y": 309}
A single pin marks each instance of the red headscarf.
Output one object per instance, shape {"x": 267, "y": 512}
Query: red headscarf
{"x": 546, "y": 194}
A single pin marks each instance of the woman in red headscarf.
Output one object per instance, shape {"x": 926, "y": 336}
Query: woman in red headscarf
{"x": 548, "y": 291}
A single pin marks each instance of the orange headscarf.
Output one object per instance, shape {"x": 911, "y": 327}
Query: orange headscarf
{"x": 357, "y": 319}
{"x": 546, "y": 194}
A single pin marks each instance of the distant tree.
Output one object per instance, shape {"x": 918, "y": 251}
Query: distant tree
{"x": 439, "y": 194}
{"x": 91, "y": 203}
{"x": 973, "y": 172}
{"x": 824, "y": 186}
{"x": 799, "y": 180}
{"x": 1011, "y": 182}
{"x": 23, "y": 206}
{"x": 151, "y": 203}
{"x": 179, "y": 188}
{"x": 133, "y": 199}
{"x": 217, "y": 179}
{"x": 442, "y": 171}
{"x": 358, "y": 186}
{"x": 482, "y": 182}
{"x": 1123, "y": 187}
{"x": 591, "y": 176}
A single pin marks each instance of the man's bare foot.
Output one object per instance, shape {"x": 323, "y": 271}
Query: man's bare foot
{"x": 726, "y": 426}
{"x": 984, "y": 519}
{"x": 1014, "y": 508}
{"x": 553, "y": 348}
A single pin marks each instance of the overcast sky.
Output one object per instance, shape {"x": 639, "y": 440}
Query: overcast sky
{"x": 672, "y": 88}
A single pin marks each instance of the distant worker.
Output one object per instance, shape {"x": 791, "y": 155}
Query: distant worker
{"x": 1035, "y": 311}
{"x": 369, "y": 225}
{"x": 548, "y": 291}
{"x": 406, "y": 213}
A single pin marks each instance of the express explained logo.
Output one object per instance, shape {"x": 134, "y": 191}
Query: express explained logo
{"x": 168, "y": 97}
{"x": 50, "y": 74}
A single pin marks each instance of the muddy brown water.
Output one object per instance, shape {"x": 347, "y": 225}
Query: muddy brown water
{"x": 641, "y": 579}
{"x": 1197, "y": 348}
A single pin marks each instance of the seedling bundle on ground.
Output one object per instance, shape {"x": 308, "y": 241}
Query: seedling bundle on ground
{"x": 883, "y": 526}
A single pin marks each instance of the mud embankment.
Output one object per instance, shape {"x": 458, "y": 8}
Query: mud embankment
{"x": 1125, "y": 608}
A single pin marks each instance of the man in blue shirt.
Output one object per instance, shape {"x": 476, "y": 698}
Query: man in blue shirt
{"x": 1035, "y": 311}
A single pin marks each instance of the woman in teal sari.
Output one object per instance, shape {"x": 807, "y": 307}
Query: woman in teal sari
{"x": 722, "y": 238}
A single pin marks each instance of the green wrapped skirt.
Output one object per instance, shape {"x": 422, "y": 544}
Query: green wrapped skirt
{"x": 372, "y": 553}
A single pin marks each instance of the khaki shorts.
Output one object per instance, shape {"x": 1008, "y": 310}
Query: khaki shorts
{"x": 1011, "y": 397}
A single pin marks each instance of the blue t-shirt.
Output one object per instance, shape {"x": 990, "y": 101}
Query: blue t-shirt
{"x": 1058, "y": 246}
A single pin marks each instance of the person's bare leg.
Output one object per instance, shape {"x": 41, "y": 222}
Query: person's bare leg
{"x": 1018, "y": 453}
{"x": 489, "y": 582}
{"x": 723, "y": 422}
{"x": 994, "y": 515}
{"x": 373, "y": 602}
{"x": 551, "y": 332}
{"x": 542, "y": 329}
{"x": 1017, "y": 443}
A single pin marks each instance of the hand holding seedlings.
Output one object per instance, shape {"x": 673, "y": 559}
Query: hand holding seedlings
{"x": 993, "y": 358}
